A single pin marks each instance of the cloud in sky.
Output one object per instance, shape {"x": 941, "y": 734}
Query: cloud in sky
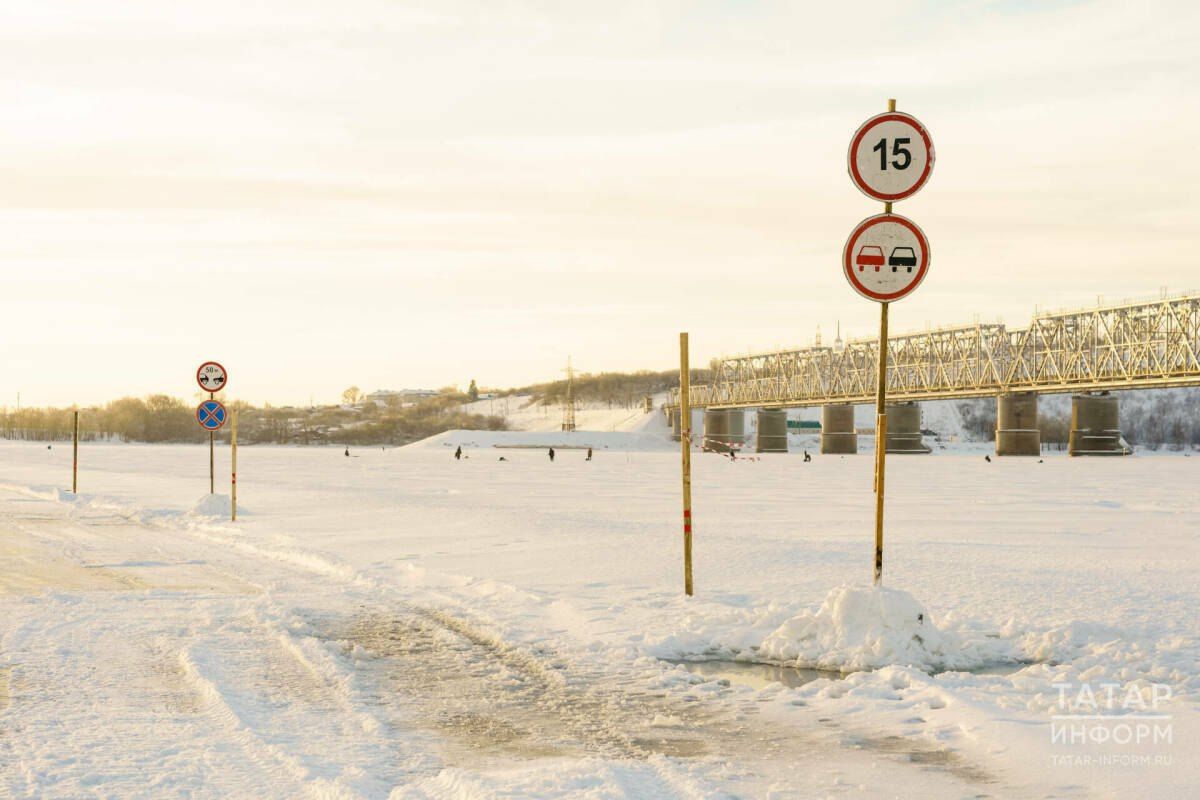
{"x": 401, "y": 194}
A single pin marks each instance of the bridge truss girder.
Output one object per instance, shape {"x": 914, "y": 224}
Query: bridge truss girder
{"x": 1135, "y": 345}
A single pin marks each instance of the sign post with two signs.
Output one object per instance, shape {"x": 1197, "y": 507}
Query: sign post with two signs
{"x": 887, "y": 256}
{"x": 211, "y": 414}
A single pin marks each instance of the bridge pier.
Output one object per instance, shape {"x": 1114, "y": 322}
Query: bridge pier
{"x": 772, "y": 431}
{"x": 904, "y": 429}
{"x": 1017, "y": 432}
{"x": 1095, "y": 430}
{"x": 724, "y": 429}
{"x": 838, "y": 436}
{"x": 676, "y": 423}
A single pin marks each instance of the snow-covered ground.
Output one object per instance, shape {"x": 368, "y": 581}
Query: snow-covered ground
{"x": 399, "y": 624}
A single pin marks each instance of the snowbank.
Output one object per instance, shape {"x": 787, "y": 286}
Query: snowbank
{"x": 860, "y": 628}
{"x": 526, "y": 413}
{"x": 562, "y": 440}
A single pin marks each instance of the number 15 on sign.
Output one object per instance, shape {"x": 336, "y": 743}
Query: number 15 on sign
{"x": 891, "y": 156}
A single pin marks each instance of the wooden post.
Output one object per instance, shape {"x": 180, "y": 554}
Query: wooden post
{"x": 233, "y": 458}
{"x": 685, "y": 439}
{"x": 75, "y": 457}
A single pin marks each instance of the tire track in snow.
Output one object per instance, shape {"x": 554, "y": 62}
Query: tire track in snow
{"x": 598, "y": 719}
{"x": 484, "y": 694}
{"x": 491, "y": 697}
{"x": 237, "y": 711}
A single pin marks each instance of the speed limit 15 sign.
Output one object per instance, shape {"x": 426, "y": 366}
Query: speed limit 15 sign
{"x": 891, "y": 156}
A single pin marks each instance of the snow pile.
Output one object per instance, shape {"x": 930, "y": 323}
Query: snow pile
{"x": 213, "y": 505}
{"x": 860, "y": 628}
{"x": 563, "y": 440}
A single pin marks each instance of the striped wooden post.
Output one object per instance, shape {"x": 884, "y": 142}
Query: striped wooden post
{"x": 685, "y": 438}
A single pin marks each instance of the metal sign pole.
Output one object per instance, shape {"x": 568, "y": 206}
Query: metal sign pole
{"x": 880, "y": 438}
{"x": 685, "y": 438}
{"x": 887, "y": 256}
{"x": 233, "y": 459}
{"x": 212, "y": 485}
{"x": 881, "y": 421}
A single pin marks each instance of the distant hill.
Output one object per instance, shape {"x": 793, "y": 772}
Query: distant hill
{"x": 613, "y": 389}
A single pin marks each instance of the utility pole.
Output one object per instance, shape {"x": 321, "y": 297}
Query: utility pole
{"x": 568, "y": 423}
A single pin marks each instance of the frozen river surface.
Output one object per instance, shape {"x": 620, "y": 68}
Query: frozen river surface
{"x": 399, "y": 624}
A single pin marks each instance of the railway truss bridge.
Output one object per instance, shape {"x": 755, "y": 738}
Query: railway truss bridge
{"x": 1089, "y": 352}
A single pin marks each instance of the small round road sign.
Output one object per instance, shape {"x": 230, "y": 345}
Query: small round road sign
{"x": 211, "y": 415}
{"x": 886, "y": 257}
{"x": 211, "y": 376}
{"x": 891, "y": 156}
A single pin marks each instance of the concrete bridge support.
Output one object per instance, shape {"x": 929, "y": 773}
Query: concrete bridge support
{"x": 737, "y": 428}
{"x": 676, "y": 423}
{"x": 1095, "y": 430}
{"x": 724, "y": 429}
{"x": 904, "y": 429}
{"x": 1017, "y": 432}
{"x": 837, "y": 430}
{"x": 772, "y": 431}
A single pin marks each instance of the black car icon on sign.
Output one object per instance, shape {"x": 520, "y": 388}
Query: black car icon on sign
{"x": 902, "y": 257}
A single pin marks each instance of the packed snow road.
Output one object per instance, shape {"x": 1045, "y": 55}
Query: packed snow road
{"x": 398, "y": 624}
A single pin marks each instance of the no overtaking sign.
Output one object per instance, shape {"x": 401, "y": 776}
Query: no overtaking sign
{"x": 886, "y": 257}
{"x": 211, "y": 376}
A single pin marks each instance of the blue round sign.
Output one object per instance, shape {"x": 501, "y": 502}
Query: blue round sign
{"x": 211, "y": 415}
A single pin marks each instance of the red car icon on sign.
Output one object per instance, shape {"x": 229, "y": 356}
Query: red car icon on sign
{"x": 869, "y": 256}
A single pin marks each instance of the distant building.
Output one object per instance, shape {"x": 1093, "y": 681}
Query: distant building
{"x": 385, "y": 397}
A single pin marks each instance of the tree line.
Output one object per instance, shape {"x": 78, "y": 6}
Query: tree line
{"x": 162, "y": 418}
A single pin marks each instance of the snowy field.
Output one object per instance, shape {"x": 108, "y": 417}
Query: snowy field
{"x": 399, "y": 624}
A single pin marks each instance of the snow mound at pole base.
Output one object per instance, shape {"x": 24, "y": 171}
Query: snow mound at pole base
{"x": 213, "y": 505}
{"x": 861, "y": 628}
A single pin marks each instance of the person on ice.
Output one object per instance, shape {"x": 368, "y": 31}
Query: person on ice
{"x": 551, "y": 454}
{"x": 589, "y": 455}
{"x": 458, "y": 453}
{"x": 807, "y": 457}
{"x": 347, "y": 452}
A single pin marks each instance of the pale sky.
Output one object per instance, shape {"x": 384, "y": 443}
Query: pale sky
{"x": 406, "y": 194}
